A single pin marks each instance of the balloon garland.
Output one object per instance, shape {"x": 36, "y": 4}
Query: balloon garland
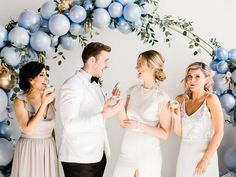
{"x": 36, "y": 36}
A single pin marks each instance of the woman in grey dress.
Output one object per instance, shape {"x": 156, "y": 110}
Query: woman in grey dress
{"x": 35, "y": 153}
{"x": 199, "y": 122}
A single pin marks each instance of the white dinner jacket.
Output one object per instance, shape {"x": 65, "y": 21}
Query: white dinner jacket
{"x": 84, "y": 137}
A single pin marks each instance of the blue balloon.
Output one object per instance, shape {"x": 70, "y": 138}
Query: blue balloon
{"x": 234, "y": 91}
{"x": 221, "y": 53}
{"x": 29, "y": 20}
{"x": 40, "y": 41}
{"x": 76, "y": 29}
{"x": 124, "y": 2}
{"x": 228, "y": 102}
{"x": 230, "y": 158}
{"x": 3, "y": 36}
{"x": 222, "y": 67}
{"x": 5, "y": 130}
{"x": 19, "y": 37}
{"x": 232, "y": 55}
{"x": 6, "y": 151}
{"x": 10, "y": 56}
{"x": 68, "y": 43}
{"x": 220, "y": 84}
{"x": 115, "y": 9}
{"x": 137, "y": 24}
{"x": 54, "y": 41}
{"x": 59, "y": 24}
{"x": 123, "y": 26}
{"x": 101, "y": 18}
{"x": 77, "y": 14}
{"x": 102, "y": 3}
{"x": 213, "y": 64}
{"x": 132, "y": 12}
{"x": 48, "y": 9}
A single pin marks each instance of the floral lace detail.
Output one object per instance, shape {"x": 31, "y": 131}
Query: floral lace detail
{"x": 197, "y": 126}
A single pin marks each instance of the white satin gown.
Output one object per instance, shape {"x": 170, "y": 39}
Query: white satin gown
{"x": 197, "y": 131}
{"x": 140, "y": 150}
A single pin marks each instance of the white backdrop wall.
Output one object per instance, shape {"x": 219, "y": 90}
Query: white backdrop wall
{"x": 212, "y": 18}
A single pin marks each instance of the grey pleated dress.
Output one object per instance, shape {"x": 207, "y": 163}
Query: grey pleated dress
{"x": 35, "y": 155}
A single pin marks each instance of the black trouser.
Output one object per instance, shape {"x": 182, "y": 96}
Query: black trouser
{"x": 85, "y": 169}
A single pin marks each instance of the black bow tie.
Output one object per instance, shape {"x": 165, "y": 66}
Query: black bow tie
{"x": 94, "y": 79}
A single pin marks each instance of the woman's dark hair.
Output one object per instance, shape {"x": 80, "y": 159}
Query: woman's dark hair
{"x": 28, "y": 72}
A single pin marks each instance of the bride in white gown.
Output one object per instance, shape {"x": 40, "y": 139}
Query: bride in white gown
{"x": 147, "y": 119}
{"x": 200, "y": 123}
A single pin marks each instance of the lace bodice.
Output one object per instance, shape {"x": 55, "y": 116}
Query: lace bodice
{"x": 197, "y": 126}
{"x": 145, "y": 105}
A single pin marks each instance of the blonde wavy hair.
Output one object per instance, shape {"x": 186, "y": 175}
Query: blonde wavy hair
{"x": 206, "y": 72}
{"x": 155, "y": 60}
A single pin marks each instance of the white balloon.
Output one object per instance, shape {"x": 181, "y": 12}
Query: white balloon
{"x": 4, "y": 100}
{"x": 102, "y": 3}
{"x": 4, "y": 115}
{"x": 6, "y": 151}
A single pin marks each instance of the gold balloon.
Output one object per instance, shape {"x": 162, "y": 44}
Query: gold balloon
{"x": 7, "y": 78}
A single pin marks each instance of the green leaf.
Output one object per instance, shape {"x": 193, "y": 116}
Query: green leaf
{"x": 197, "y": 39}
{"x": 59, "y": 62}
{"x": 185, "y": 33}
{"x": 195, "y": 53}
{"x": 47, "y": 67}
{"x": 60, "y": 53}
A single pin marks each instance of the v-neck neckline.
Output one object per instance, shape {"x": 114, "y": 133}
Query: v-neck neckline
{"x": 194, "y": 111}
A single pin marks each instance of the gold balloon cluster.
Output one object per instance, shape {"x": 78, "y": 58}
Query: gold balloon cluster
{"x": 8, "y": 78}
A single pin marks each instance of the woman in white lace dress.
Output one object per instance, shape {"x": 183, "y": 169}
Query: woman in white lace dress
{"x": 147, "y": 119}
{"x": 199, "y": 122}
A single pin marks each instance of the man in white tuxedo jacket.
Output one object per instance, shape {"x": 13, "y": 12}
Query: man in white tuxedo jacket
{"x": 83, "y": 110}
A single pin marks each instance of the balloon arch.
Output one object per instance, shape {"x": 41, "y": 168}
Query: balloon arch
{"x": 36, "y": 36}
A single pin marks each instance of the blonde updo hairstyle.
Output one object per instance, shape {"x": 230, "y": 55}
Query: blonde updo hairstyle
{"x": 154, "y": 59}
{"x": 205, "y": 70}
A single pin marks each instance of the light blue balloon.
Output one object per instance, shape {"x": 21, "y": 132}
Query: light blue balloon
{"x": 88, "y": 5}
{"x": 54, "y": 41}
{"x": 48, "y": 9}
{"x": 213, "y": 64}
{"x": 5, "y": 130}
{"x": 137, "y": 24}
{"x": 68, "y": 43}
{"x": 10, "y": 56}
{"x": 76, "y": 29}
{"x": 19, "y": 37}
{"x": 50, "y": 53}
{"x": 59, "y": 24}
{"x": 102, "y": 3}
{"x": 112, "y": 25}
{"x": 4, "y": 100}
{"x": 234, "y": 76}
{"x": 77, "y": 14}
{"x": 230, "y": 158}
{"x": 234, "y": 91}
{"x": 222, "y": 67}
{"x": 6, "y": 151}
{"x": 227, "y": 102}
{"x": 124, "y": 2}
{"x": 221, "y": 53}
{"x": 115, "y": 9}
{"x": 29, "y": 20}
{"x": 40, "y": 41}
{"x": 3, "y": 36}
{"x": 101, "y": 18}
{"x": 132, "y": 12}
{"x": 220, "y": 84}
{"x": 123, "y": 26}
{"x": 232, "y": 55}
